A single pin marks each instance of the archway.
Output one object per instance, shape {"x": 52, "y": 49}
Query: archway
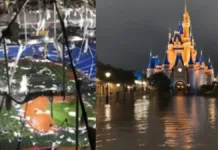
{"x": 180, "y": 87}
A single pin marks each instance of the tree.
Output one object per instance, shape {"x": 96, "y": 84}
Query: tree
{"x": 160, "y": 81}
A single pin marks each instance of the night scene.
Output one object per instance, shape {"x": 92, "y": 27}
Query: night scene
{"x": 156, "y": 81}
{"x": 48, "y": 73}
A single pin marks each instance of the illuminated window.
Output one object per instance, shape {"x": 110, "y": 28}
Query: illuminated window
{"x": 180, "y": 69}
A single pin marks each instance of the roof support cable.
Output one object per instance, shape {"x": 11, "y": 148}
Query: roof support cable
{"x": 64, "y": 71}
{"x": 77, "y": 122}
{"x": 91, "y": 139}
{"x": 8, "y": 101}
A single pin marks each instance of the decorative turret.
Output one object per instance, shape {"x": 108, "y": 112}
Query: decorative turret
{"x": 201, "y": 71}
{"x": 191, "y": 73}
{"x": 178, "y": 38}
{"x": 166, "y": 61}
{"x": 180, "y": 28}
{"x": 178, "y": 59}
{"x": 166, "y": 66}
{"x": 170, "y": 37}
{"x": 190, "y": 63}
{"x": 209, "y": 65}
{"x": 151, "y": 66}
{"x": 197, "y": 60}
{"x": 197, "y": 68}
{"x": 201, "y": 60}
{"x": 170, "y": 40}
{"x": 210, "y": 73}
{"x": 158, "y": 65}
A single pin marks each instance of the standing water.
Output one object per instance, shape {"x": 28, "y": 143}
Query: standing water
{"x": 183, "y": 123}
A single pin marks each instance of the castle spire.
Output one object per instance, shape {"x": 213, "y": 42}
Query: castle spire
{"x": 169, "y": 34}
{"x": 166, "y": 61}
{"x": 186, "y": 9}
{"x": 209, "y": 65}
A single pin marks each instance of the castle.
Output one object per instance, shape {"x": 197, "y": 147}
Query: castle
{"x": 182, "y": 64}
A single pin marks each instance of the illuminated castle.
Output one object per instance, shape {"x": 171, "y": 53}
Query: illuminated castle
{"x": 182, "y": 64}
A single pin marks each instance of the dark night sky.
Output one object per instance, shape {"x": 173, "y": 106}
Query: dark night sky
{"x": 128, "y": 29}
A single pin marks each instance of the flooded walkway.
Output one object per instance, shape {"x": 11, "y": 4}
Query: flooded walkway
{"x": 184, "y": 123}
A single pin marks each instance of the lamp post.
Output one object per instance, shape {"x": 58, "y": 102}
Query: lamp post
{"x": 118, "y": 86}
{"x": 107, "y": 74}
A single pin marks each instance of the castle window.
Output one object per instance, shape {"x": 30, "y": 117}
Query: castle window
{"x": 180, "y": 69}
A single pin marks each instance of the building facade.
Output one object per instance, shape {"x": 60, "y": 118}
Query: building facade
{"x": 182, "y": 63}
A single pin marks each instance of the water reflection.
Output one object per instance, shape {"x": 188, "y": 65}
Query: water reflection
{"x": 107, "y": 112}
{"x": 212, "y": 112}
{"x": 141, "y": 114}
{"x": 182, "y": 123}
{"x": 107, "y": 116}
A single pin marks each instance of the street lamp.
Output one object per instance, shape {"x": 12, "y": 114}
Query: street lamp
{"x": 107, "y": 74}
{"x": 118, "y": 85}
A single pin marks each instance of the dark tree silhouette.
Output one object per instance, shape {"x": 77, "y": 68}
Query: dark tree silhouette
{"x": 160, "y": 81}
{"x": 117, "y": 75}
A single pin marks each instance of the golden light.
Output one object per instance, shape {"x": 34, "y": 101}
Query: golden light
{"x": 118, "y": 85}
{"x": 136, "y": 81}
{"x": 139, "y": 82}
{"x": 107, "y": 74}
{"x": 180, "y": 69}
{"x": 128, "y": 87}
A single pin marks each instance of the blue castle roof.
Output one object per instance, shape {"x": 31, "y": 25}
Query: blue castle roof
{"x": 179, "y": 57}
{"x": 209, "y": 65}
{"x": 138, "y": 75}
{"x": 171, "y": 41}
{"x": 180, "y": 29}
{"x": 166, "y": 61}
{"x": 201, "y": 60}
{"x": 197, "y": 59}
{"x": 151, "y": 63}
{"x": 190, "y": 60}
{"x": 177, "y": 36}
{"x": 158, "y": 62}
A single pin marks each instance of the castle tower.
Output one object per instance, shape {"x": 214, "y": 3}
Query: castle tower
{"x": 210, "y": 73}
{"x": 166, "y": 66}
{"x": 151, "y": 66}
{"x": 191, "y": 73}
{"x": 170, "y": 42}
{"x": 158, "y": 65}
{"x": 179, "y": 70}
{"x": 186, "y": 23}
{"x": 197, "y": 68}
{"x": 201, "y": 71}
